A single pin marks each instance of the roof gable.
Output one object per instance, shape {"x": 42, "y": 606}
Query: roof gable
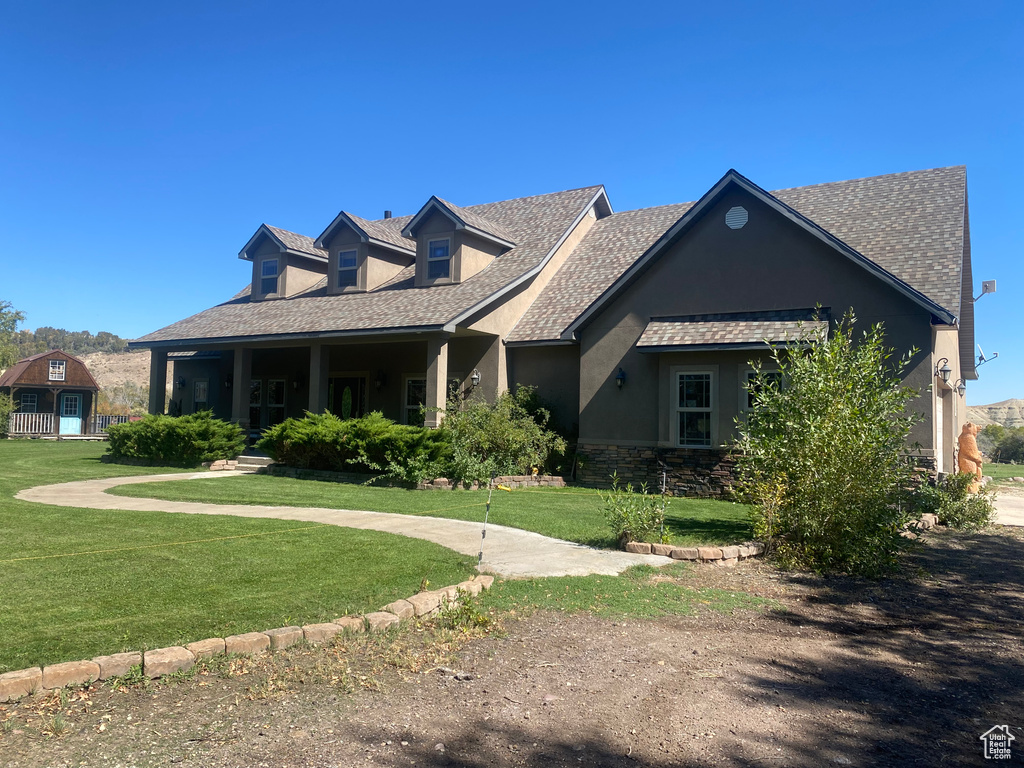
{"x": 20, "y": 372}
{"x": 286, "y": 242}
{"x": 375, "y": 232}
{"x": 463, "y": 219}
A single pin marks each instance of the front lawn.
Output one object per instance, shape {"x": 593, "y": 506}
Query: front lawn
{"x": 1002, "y": 472}
{"x": 78, "y": 583}
{"x": 573, "y": 514}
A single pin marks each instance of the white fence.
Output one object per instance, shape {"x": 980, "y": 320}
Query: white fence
{"x": 101, "y": 422}
{"x": 31, "y": 424}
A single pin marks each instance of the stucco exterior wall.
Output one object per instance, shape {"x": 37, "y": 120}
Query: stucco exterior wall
{"x": 770, "y": 263}
{"x": 555, "y": 372}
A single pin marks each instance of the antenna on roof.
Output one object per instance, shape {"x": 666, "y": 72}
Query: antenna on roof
{"x": 981, "y": 354}
{"x": 987, "y": 286}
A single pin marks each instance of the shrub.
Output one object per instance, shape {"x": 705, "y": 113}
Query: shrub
{"x": 961, "y": 509}
{"x": 822, "y": 454}
{"x": 176, "y": 440}
{"x": 635, "y": 516}
{"x": 508, "y": 437}
{"x": 371, "y": 443}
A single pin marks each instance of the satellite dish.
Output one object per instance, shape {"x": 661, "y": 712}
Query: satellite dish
{"x": 981, "y": 356}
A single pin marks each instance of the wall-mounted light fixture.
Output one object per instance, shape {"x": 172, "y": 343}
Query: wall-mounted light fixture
{"x": 297, "y": 383}
{"x": 960, "y": 387}
{"x": 620, "y": 378}
{"x": 381, "y": 381}
{"x": 180, "y": 381}
{"x": 227, "y": 381}
{"x": 945, "y": 371}
{"x": 474, "y": 378}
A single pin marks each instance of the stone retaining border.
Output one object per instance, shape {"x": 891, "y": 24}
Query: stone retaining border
{"x": 166, "y": 661}
{"x": 440, "y": 483}
{"x": 716, "y": 555}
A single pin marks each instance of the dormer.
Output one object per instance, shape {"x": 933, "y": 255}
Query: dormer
{"x": 453, "y": 243}
{"x": 284, "y": 263}
{"x": 362, "y": 254}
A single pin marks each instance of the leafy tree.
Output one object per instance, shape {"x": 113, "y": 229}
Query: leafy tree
{"x": 9, "y": 319}
{"x": 823, "y": 452}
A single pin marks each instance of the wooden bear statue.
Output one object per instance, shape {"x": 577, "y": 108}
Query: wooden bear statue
{"x": 970, "y": 457}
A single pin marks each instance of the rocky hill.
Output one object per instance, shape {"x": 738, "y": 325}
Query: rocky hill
{"x": 117, "y": 369}
{"x": 1009, "y": 413}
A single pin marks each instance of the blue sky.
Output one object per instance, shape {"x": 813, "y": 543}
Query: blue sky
{"x": 141, "y": 146}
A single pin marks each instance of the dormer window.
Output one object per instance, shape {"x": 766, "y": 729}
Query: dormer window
{"x": 57, "y": 369}
{"x": 348, "y": 269}
{"x": 268, "y": 276}
{"x": 439, "y": 259}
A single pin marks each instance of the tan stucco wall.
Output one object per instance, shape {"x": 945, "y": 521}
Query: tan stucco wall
{"x": 555, "y": 372}
{"x": 302, "y": 274}
{"x": 953, "y": 408}
{"x": 770, "y": 263}
{"x": 471, "y": 255}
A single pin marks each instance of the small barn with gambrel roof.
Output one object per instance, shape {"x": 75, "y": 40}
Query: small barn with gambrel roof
{"x": 54, "y": 395}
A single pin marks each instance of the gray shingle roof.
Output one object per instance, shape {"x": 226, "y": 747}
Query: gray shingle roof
{"x": 733, "y": 328}
{"x": 296, "y": 242}
{"x": 535, "y": 224}
{"x": 910, "y": 224}
{"x": 386, "y": 230}
{"x": 477, "y": 221}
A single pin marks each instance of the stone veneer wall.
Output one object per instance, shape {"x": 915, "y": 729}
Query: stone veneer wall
{"x": 689, "y": 471}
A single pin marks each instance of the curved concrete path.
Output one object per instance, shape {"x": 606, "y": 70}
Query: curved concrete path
{"x": 507, "y": 551}
{"x": 1009, "y": 509}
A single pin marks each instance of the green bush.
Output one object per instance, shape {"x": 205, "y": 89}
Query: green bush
{"x": 961, "y": 509}
{"x": 176, "y": 440}
{"x": 635, "y": 516}
{"x": 823, "y": 453}
{"x": 371, "y": 443}
{"x": 508, "y": 437}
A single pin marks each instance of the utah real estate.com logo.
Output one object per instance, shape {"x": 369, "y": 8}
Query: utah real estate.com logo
{"x": 997, "y": 742}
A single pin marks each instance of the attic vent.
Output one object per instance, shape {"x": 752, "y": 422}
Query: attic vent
{"x": 736, "y": 217}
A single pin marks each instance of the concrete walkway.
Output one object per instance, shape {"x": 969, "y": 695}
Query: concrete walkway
{"x": 507, "y": 551}
{"x": 1009, "y": 509}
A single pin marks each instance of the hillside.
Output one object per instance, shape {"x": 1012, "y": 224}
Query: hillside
{"x": 117, "y": 369}
{"x": 1009, "y": 413}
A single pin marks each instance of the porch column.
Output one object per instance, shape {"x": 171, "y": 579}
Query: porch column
{"x": 157, "y": 380}
{"x": 56, "y": 411}
{"x": 437, "y": 380}
{"x": 494, "y": 370}
{"x": 242, "y": 376}
{"x": 319, "y": 368}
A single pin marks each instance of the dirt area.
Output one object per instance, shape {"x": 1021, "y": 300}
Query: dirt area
{"x": 904, "y": 672}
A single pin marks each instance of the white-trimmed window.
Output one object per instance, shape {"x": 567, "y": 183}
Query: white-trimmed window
{"x": 694, "y": 400}
{"x": 29, "y": 403}
{"x": 439, "y": 259}
{"x": 268, "y": 276}
{"x": 747, "y": 390}
{"x": 57, "y": 370}
{"x": 415, "y": 399}
{"x": 201, "y": 394}
{"x": 348, "y": 269}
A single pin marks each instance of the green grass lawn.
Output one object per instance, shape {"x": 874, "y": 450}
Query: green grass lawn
{"x": 1000, "y": 472}
{"x": 573, "y": 514}
{"x": 80, "y": 582}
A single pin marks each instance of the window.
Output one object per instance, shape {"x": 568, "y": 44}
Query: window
{"x": 71, "y": 407}
{"x": 275, "y": 401}
{"x": 255, "y": 401}
{"x": 268, "y": 276}
{"x": 29, "y": 403}
{"x": 200, "y": 394}
{"x": 748, "y": 392}
{"x": 57, "y": 369}
{"x": 348, "y": 272}
{"x": 439, "y": 260}
{"x": 694, "y": 409}
{"x": 415, "y": 399}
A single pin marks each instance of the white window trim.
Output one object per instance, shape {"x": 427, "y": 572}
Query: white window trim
{"x": 674, "y": 410}
{"x": 450, "y": 259}
{"x": 406, "y": 408}
{"x": 278, "y": 276}
{"x": 34, "y": 400}
{"x": 339, "y": 269}
{"x": 745, "y": 371}
{"x": 58, "y": 367}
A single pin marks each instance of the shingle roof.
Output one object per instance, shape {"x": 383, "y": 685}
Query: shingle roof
{"x": 535, "y": 223}
{"x": 296, "y": 242}
{"x": 11, "y": 375}
{"x": 910, "y": 224}
{"x": 386, "y": 230}
{"x": 477, "y": 221}
{"x": 733, "y": 328}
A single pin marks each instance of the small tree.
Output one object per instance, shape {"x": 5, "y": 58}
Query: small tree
{"x": 823, "y": 452}
{"x": 9, "y": 319}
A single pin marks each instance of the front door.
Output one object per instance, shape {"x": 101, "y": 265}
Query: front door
{"x": 70, "y": 414}
{"x": 347, "y": 396}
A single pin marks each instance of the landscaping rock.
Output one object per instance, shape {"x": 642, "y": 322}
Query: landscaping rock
{"x": 403, "y": 609}
{"x": 756, "y": 548}
{"x": 726, "y": 561}
{"x": 484, "y": 579}
{"x": 709, "y": 553}
{"x": 14, "y": 685}
{"x": 425, "y": 603}
{"x": 166, "y": 661}
{"x": 117, "y": 665}
{"x": 684, "y": 553}
{"x": 320, "y": 634}
{"x": 665, "y": 550}
{"x": 205, "y": 649}
{"x": 70, "y": 673}
{"x": 283, "y": 637}
{"x": 381, "y": 620}
{"x": 251, "y": 643}
{"x": 730, "y": 553}
{"x": 638, "y": 547}
{"x": 472, "y": 588}
{"x": 351, "y": 623}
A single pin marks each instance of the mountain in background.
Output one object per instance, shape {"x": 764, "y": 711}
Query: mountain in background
{"x": 1009, "y": 413}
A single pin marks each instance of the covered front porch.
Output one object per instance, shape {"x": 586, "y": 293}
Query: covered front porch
{"x": 407, "y": 377}
{"x": 55, "y": 412}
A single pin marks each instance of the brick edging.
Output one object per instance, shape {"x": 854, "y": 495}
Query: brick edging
{"x": 718, "y": 555}
{"x": 165, "y": 661}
